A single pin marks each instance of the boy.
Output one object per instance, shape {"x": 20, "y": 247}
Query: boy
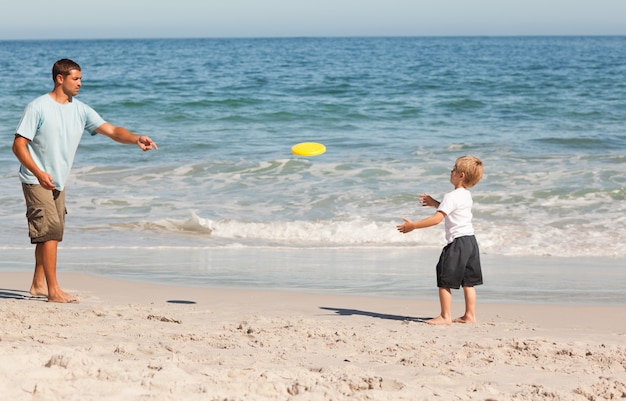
{"x": 459, "y": 263}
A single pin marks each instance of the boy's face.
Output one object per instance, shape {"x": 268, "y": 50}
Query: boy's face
{"x": 456, "y": 177}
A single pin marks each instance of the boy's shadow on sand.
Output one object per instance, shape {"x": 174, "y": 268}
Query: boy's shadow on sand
{"x": 19, "y": 294}
{"x": 351, "y": 312}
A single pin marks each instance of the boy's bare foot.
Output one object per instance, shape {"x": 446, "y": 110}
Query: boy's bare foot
{"x": 464, "y": 319}
{"x": 439, "y": 320}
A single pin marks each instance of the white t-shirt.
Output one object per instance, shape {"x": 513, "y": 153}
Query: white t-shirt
{"x": 457, "y": 205}
{"x": 54, "y": 131}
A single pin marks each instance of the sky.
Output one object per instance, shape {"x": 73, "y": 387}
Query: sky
{"x": 109, "y": 19}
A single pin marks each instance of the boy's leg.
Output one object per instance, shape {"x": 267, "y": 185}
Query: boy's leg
{"x": 445, "y": 300}
{"x": 472, "y": 277}
{"x": 470, "y": 306}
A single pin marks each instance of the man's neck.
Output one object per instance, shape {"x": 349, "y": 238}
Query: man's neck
{"x": 59, "y": 96}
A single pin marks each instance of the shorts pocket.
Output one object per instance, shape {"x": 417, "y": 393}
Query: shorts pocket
{"x": 36, "y": 222}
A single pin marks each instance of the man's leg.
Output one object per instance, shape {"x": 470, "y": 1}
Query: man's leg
{"x": 39, "y": 287}
{"x": 45, "y": 211}
{"x": 46, "y": 262}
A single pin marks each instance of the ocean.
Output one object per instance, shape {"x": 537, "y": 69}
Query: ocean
{"x": 225, "y": 203}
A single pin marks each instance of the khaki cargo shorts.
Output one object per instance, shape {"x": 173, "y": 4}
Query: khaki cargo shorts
{"x": 45, "y": 212}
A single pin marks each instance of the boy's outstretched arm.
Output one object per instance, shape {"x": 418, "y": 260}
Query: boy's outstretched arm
{"x": 409, "y": 225}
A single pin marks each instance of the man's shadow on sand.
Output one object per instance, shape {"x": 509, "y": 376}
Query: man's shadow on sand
{"x": 6, "y": 293}
{"x": 352, "y": 312}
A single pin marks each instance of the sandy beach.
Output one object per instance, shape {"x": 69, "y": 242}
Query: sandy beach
{"x": 136, "y": 341}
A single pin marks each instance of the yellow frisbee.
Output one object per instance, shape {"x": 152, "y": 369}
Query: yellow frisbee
{"x": 308, "y": 149}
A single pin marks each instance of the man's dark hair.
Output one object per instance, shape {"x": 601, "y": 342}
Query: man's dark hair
{"x": 63, "y": 67}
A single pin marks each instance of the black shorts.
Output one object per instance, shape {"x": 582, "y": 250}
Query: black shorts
{"x": 459, "y": 264}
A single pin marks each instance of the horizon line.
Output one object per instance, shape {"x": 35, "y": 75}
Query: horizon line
{"x": 317, "y": 37}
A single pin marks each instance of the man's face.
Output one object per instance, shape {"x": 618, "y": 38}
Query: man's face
{"x": 71, "y": 83}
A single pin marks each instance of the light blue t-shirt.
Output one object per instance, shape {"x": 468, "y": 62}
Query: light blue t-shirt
{"x": 54, "y": 131}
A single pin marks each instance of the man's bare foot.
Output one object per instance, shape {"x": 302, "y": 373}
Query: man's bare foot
{"x": 38, "y": 292}
{"x": 439, "y": 320}
{"x": 68, "y": 300}
{"x": 63, "y": 297}
{"x": 464, "y": 319}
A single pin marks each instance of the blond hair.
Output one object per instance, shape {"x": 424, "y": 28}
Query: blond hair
{"x": 472, "y": 167}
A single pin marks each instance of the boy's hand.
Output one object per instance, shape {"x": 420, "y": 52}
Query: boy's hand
{"x": 407, "y": 227}
{"x": 427, "y": 200}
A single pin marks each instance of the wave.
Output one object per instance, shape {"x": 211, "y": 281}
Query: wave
{"x": 561, "y": 238}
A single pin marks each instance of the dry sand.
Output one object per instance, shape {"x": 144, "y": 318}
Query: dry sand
{"x": 135, "y": 341}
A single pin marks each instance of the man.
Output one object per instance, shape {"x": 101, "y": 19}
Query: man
{"x": 45, "y": 143}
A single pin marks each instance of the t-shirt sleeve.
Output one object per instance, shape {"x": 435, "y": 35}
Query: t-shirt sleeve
{"x": 92, "y": 120}
{"x": 29, "y": 123}
{"x": 448, "y": 204}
